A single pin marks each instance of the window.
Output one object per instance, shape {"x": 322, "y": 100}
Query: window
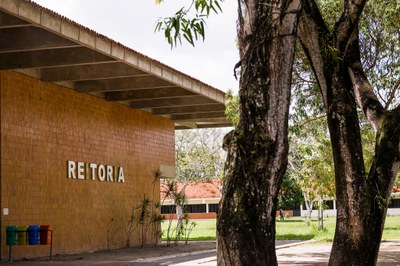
{"x": 195, "y": 208}
{"x": 168, "y": 209}
{"x": 394, "y": 203}
{"x": 190, "y": 208}
{"x": 329, "y": 203}
{"x": 213, "y": 207}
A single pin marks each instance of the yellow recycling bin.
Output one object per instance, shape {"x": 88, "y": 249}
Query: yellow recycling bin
{"x": 22, "y": 232}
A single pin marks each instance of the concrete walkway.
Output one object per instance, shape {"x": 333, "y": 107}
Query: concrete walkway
{"x": 317, "y": 253}
{"x": 203, "y": 253}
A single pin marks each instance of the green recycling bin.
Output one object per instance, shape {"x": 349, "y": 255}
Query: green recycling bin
{"x": 22, "y": 232}
{"x": 11, "y": 235}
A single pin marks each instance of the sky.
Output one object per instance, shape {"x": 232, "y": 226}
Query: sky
{"x": 132, "y": 22}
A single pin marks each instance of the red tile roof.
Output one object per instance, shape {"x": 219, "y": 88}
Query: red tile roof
{"x": 201, "y": 189}
{"x": 211, "y": 189}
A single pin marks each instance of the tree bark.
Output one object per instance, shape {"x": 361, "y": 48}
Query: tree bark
{"x": 309, "y": 207}
{"x": 320, "y": 213}
{"x": 257, "y": 148}
{"x": 361, "y": 198}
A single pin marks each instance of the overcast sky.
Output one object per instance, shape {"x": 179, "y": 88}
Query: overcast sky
{"x": 132, "y": 24}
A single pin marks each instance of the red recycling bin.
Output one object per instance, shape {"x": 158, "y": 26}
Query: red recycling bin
{"x": 45, "y": 234}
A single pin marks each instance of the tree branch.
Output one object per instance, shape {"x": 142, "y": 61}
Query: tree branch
{"x": 347, "y": 23}
{"x": 312, "y": 32}
{"x": 392, "y": 94}
{"x": 363, "y": 92}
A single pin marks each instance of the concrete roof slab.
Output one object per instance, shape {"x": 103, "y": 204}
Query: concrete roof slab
{"x": 38, "y": 42}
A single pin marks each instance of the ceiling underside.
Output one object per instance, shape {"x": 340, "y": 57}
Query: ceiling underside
{"x": 40, "y": 43}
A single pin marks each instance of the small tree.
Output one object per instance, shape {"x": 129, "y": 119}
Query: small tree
{"x": 170, "y": 190}
{"x": 145, "y": 214}
{"x": 142, "y": 217}
{"x": 187, "y": 228}
{"x": 311, "y": 163}
{"x": 130, "y": 228}
{"x": 290, "y": 195}
{"x": 155, "y": 214}
{"x": 156, "y": 218}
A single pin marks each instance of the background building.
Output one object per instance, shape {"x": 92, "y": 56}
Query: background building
{"x": 202, "y": 199}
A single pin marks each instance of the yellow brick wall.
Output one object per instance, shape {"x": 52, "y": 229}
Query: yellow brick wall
{"x": 45, "y": 125}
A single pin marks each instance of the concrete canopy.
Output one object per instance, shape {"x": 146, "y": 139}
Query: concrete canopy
{"x": 40, "y": 43}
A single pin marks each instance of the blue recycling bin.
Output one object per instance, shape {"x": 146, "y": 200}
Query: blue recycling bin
{"x": 33, "y": 235}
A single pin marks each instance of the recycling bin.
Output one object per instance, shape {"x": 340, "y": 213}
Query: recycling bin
{"x": 11, "y": 235}
{"x": 22, "y": 232}
{"x": 45, "y": 234}
{"x": 33, "y": 235}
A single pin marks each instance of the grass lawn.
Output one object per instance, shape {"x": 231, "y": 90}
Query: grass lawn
{"x": 289, "y": 229}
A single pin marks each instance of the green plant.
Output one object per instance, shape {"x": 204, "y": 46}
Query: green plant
{"x": 188, "y": 228}
{"x": 156, "y": 218}
{"x": 174, "y": 233}
{"x": 146, "y": 214}
{"x": 142, "y": 216}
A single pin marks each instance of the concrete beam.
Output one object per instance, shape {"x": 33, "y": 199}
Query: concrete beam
{"x": 121, "y": 84}
{"x": 90, "y": 72}
{"x": 170, "y": 102}
{"x": 7, "y": 20}
{"x": 48, "y": 58}
{"x": 30, "y": 39}
{"x": 157, "y": 93}
{"x": 197, "y": 116}
{"x": 189, "y": 109}
{"x": 185, "y": 125}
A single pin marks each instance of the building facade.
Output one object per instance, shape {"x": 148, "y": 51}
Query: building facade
{"x": 85, "y": 124}
{"x": 45, "y": 126}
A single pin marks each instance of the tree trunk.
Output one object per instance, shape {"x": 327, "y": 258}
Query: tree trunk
{"x": 257, "y": 149}
{"x": 364, "y": 198}
{"x": 361, "y": 199}
{"x": 309, "y": 207}
{"x": 343, "y": 124}
{"x": 320, "y": 213}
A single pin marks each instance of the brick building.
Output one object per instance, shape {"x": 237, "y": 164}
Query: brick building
{"x": 85, "y": 123}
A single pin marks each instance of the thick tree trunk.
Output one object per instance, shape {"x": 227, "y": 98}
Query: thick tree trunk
{"x": 362, "y": 211}
{"x": 257, "y": 149}
{"x": 343, "y": 124}
{"x": 361, "y": 198}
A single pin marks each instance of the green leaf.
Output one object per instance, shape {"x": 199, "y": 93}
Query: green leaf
{"x": 183, "y": 24}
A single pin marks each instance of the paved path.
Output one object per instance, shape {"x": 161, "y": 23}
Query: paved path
{"x": 203, "y": 253}
{"x": 318, "y": 254}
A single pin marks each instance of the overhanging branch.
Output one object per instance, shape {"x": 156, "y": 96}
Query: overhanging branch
{"x": 347, "y": 23}
{"x": 363, "y": 92}
{"x": 365, "y": 97}
{"x": 312, "y": 33}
